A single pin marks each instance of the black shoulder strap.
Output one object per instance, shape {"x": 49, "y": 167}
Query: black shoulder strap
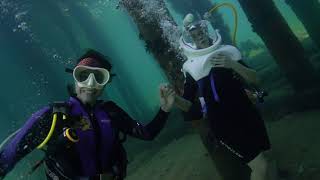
{"x": 60, "y": 107}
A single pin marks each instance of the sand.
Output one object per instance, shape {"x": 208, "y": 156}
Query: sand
{"x": 295, "y": 142}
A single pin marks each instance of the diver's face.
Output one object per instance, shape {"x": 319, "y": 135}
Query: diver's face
{"x": 90, "y": 82}
{"x": 200, "y": 38}
{"x": 88, "y": 95}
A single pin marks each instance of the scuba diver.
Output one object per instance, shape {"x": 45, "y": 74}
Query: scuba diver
{"x": 82, "y": 137}
{"x": 216, "y": 92}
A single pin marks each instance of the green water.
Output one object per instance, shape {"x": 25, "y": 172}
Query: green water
{"x": 33, "y": 59}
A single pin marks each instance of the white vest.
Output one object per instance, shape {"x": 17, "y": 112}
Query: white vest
{"x": 199, "y": 66}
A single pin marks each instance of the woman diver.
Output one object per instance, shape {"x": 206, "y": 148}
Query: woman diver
{"x": 81, "y": 137}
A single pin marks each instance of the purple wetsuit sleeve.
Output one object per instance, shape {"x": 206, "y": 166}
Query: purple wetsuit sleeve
{"x": 27, "y": 139}
{"x": 126, "y": 124}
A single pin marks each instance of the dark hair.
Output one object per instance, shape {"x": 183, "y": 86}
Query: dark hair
{"x": 104, "y": 60}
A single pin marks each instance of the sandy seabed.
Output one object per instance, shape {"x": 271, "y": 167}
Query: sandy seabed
{"x": 294, "y": 138}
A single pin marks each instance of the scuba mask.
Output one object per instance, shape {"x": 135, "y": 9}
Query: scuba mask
{"x": 91, "y": 77}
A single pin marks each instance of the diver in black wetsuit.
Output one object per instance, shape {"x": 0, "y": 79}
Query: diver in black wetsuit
{"x": 232, "y": 129}
{"x": 80, "y": 137}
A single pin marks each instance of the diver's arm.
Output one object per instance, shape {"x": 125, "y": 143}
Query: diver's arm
{"x": 27, "y": 139}
{"x": 126, "y": 124}
{"x": 189, "y": 92}
{"x": 187, "y": 103}
{"x": 182, "y": 103}
{"x": 248, "y": 74}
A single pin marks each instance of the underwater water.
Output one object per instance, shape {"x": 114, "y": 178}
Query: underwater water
{"x": 40, "y": 38}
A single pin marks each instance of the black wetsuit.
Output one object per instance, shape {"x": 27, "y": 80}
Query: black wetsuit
{"x": 234, "y": 122}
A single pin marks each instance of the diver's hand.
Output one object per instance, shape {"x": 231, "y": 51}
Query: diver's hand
{"x": 252, "y": 96}
{"x": 167, "y": 97}
{"x": 221, "y": 61}
{"x": 182, "y": 103}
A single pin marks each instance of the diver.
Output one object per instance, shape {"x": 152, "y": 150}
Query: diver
{"x": 215, "y": 91}
{"x": 82, "y": 137}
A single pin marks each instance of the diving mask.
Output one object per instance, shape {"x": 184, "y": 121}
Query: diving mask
{"x": 91, "y": 77}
